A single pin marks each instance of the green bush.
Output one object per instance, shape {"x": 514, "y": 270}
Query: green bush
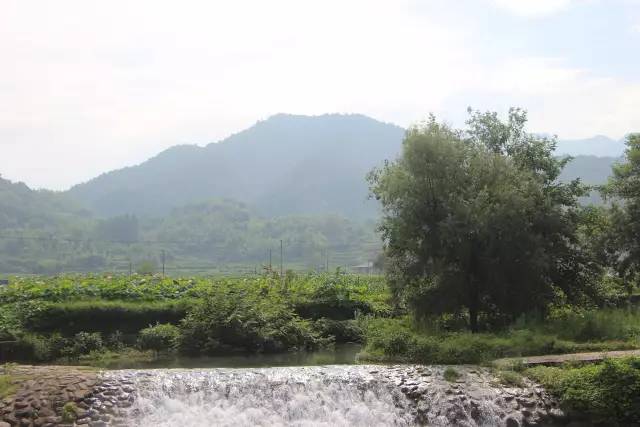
{"x": 339, "y": 297}
{"x": 342, "y": 331}
{"x": 398, "y": 339}
{"x": 86, "y": 342}
{"x": 69, "y": 412}
{"x": 609, "y": 391}
{"x": 590, "y": 325}
{"x": 450, "y": 374}
{"x": 244, "y": 318}
{"x": 160, "y": 337}
{"x": 115, "y": 341}
{"x": 102, "y": 316}
{"x": 6, "y": 386}
{"x": 510, "y": 378}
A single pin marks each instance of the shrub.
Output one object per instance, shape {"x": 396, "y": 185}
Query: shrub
{"x": 342, "y": 331}
{"x": 160, "y": 337}
{"x": 115, "y": 341}
{"x": 244, "y": 318}
{"x": 397, "y": 339}
{"x": 6, "y": 386}
{"x": 609, "y": 391}
{"x": 450, "y": 374}
{"x": 86, "y": 342}
{"x": 103, "y": 316}
{"x": 69, "y": 412}
{"x": 510, "y": 378}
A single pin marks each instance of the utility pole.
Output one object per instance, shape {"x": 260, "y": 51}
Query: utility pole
{"x": 270, "y": 267}
{"x": 327, "y": 260}
{"x": 130, "y": 268}
{"x": 281, "y": 263}
{"x": 163, "y": 259}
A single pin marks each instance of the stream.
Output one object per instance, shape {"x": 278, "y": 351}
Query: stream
{"x": 327, "y": 395}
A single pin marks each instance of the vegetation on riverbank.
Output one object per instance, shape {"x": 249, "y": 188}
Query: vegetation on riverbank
{"x": 87, "y": 319}
{"x": 404, "y": 341}
{"x": 606, "y": 391}
{"x": 6, "y": 385}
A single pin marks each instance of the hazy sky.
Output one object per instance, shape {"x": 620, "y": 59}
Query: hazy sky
{"x": 87, "y": 86}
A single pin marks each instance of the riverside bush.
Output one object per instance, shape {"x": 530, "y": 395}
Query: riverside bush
{"x": 608, "y": 391}
{"x": 102, "y": 316}
{"x": 397, "y": 339}
{"x": 6, "y": 385}
{"x": 244, "y": 318}
{"x": 342, "y": 331}
{"x": 160, "y": 337}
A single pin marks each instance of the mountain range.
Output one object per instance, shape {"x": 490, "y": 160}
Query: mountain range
{"x": 299, "y": 180}
{"x": 287, "y": 164}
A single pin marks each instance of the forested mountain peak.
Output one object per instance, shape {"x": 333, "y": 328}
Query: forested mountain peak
{"x": 286, "y": 164}
{"x": 295, "y": 165}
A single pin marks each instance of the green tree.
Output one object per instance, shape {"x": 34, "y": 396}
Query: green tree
{"x": 475, "y": 220}
{"x": 623, "y": 189}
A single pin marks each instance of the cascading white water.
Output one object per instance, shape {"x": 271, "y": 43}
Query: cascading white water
{"x": 338, "y": 395}
{"x": 296, "y": 396}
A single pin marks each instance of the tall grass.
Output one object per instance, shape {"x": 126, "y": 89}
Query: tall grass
{"x": 584, "y": 326}
{"x": 400, "y": 340}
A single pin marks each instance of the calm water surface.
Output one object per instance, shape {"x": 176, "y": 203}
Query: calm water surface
{"x": 341, "y": 354}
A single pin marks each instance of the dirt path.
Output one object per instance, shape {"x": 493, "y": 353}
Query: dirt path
{"x": 557, "y": 359}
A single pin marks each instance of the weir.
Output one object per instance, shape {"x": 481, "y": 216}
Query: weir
{"x": 341, "y": 395}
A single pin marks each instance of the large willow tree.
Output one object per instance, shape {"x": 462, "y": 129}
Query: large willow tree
{"x": 623, "y": 189}
{"x": 476, "y": 222}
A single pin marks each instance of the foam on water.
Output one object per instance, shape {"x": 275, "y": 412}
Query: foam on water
{"x": 295, "y": 396}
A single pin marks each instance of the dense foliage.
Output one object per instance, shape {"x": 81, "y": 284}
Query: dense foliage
{"x": 247, "y": 318}
{"x": 624, "y": 189}
{"x": 476, "y": 219}
{"x": 609, "y": 392}
{"x": 202, "y": 237}
{"x": 399, "y": 339}
{"x": 50, "y": 318}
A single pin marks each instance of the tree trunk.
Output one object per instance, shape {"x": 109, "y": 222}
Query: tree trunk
{"x": 474, "y": 303}
{"x": 473, "y": 318}
{"x": 474, "y": 290}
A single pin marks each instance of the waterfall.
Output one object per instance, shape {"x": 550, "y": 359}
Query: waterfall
{"x": 335, "y": 395}
{"x": 296, "y": 396}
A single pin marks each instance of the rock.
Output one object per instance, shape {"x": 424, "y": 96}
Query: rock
{"x": 3, "y": 424}
{"x": 557, "y": 414}
{"x": 512, "y": 422}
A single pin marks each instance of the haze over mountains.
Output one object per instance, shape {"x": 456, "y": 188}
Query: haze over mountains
{"x": 298, "y": 179}
{"x": 286, "y": 165}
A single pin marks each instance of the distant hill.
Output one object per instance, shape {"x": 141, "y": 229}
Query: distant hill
{"x": 22, "y": 207}
{"x": 284, "y": 165}
{"x": 293, "y": 178}
{"x": 592, "y": 170}
{"x": 45, "y": 232}
{"x": 599, "y": 145}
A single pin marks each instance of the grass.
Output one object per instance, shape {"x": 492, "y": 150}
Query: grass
{"x": 109, "y": 359}
{"x": 102, "y": 315}
{"x": 450, "y": 374}
{"x": 400, "y": 341}
{"x": 69, "y": 412}
{"x": 6, "y": 386}
{"x": 608, "y": 392}
{"x": 510, "y": 378}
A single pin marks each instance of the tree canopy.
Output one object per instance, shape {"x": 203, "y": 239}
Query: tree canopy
{"x": 476, "y": 220}
{"x": 624, "y": 189}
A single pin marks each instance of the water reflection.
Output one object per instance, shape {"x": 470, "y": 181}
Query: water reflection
{"x": 341, "y": 354}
